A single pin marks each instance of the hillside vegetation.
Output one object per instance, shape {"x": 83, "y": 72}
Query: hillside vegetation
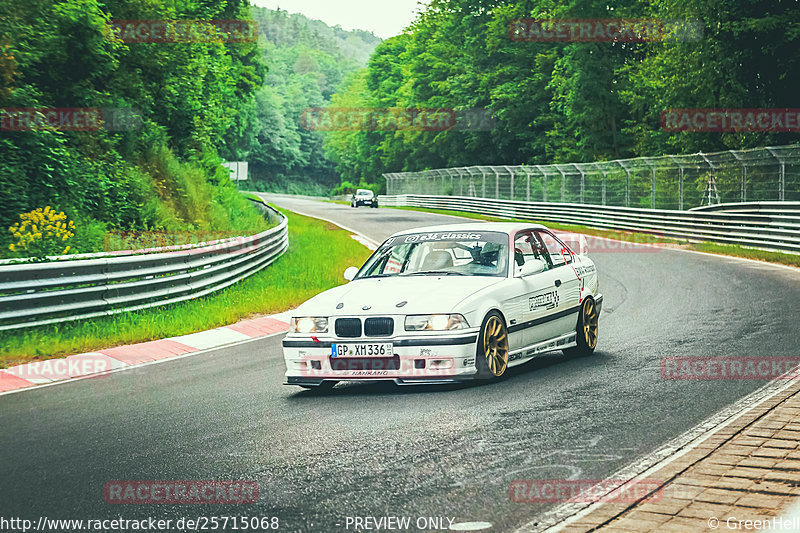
{"x": 189, "y": 105}
{"x": 560, "y": 102}
{"x": 308, "y": 60}
{"x": 160, "y": 172}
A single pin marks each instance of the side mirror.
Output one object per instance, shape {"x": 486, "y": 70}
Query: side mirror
{"x": 350, "y": 273}
{"x": 532, "y": 266}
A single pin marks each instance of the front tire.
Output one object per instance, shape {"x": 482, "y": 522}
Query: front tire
{"x": 492, "y": 354}
{"x": 587, "y": 330}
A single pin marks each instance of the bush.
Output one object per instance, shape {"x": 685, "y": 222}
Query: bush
{"x": 40, "y": 233}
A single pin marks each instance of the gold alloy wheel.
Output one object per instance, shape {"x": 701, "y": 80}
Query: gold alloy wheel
{"x": 495, "y": 346}
{"x": 589, "y": 321}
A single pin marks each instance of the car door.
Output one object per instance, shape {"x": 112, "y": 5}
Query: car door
{"x": 535, "y": 296}
{"x": 564, "y": 282}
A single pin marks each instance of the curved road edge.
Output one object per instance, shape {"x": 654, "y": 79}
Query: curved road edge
{"x": 39, "y": 374}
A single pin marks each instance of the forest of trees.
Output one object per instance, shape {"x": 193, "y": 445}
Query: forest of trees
{"x": 568, "y": 102}
{"x": 196, "y": 103}
{"x": 193, "y": 99}
{"x": 201, "y": 102}
{"x": 307, "y": 62}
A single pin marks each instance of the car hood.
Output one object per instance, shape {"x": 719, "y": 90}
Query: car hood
{"x": 422, "y": 294}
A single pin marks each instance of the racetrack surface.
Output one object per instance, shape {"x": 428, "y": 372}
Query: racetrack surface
{"x": 378, "y": 449}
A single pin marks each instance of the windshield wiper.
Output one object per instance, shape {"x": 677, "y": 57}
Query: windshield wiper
{"x": 437, "y": 272}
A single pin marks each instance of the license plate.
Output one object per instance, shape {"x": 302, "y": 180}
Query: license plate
{"x": 382, "y": 349}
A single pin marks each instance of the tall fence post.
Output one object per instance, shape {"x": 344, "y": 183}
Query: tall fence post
{"x": 781, "y": 174}
{"x": 527, "y": 184}
{"x": 602, "y": 183}
{"x": 563, "y": 184}
{"x": 496, "y": 183}
{"x": 511, "y": 190}
{"x": 653, "y": 188}
{"x": 743, "y": 185}
{"x": 544, "y": 182}
{"x": 627, "y": 182}
{"x": 652, "y": 182}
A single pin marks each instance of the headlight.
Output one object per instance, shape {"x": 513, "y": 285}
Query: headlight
{"x": 435, "y": 322}
{"x": 308, "y": 324}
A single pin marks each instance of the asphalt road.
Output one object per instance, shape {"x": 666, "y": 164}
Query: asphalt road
{"x": 378, "y": 449}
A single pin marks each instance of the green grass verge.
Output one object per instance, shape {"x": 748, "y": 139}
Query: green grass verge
{"x": 317, "y": 256}
{"x": 707, "y": 247}
{"x": 748, "y": 253}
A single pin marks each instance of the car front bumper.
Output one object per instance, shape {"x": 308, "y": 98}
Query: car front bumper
{"x": 419, "y": 359}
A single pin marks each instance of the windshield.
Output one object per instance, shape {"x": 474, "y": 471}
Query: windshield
{"x": 470, "y": 253}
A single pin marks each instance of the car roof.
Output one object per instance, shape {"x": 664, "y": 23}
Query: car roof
{"x": 359, "y": 191}
{"x": 503, "y": 227}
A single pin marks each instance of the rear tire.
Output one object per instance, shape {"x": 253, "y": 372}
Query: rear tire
{"x": 491, "y": 357}
{"x": 587, "y": 330}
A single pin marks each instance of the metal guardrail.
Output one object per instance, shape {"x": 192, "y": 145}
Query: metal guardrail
{"x": 33, "y": 294}
{"x": 766, "y": 225}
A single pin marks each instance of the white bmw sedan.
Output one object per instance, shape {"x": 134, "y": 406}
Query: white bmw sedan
{"x": 447, "y": 303}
